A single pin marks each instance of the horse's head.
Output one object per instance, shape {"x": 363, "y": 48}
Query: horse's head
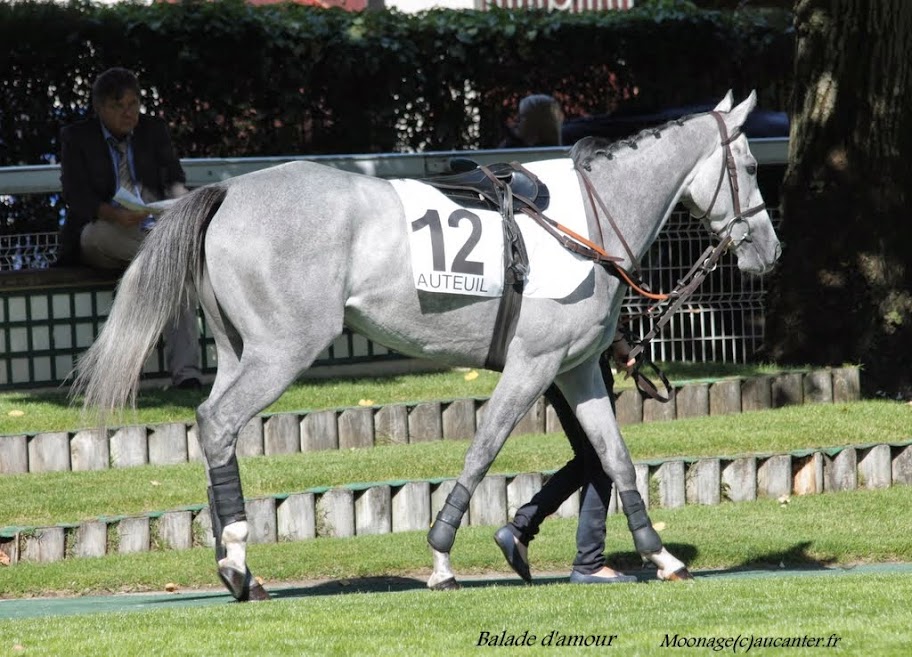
{"x": 723, "y": 192}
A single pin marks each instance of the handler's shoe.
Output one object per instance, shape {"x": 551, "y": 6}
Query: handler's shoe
{"x": 510, "y": 546}
{"x": 582, "y": 578}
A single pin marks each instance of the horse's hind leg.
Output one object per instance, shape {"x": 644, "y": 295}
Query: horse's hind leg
{"x": 245, "y": 389}
{"x": 585, "y": 390}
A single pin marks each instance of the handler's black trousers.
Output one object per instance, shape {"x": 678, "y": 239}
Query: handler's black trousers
{"x": 585, "y": 469}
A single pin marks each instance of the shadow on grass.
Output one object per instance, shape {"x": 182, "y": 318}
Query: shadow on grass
{"x": 147, "y": 398}
{"x": 794, "y": 560}
{"x": 797, "y": 557}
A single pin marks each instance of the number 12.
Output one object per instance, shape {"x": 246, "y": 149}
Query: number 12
{"x": 461, "y": 265}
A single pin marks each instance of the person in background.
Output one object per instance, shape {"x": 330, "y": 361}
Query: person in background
{"x": 539, "y": 123}
{"x": 585, "y": 469}
{"x": 120, "y": 147}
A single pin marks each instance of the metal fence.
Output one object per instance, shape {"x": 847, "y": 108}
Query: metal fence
{"x": 722, "y": 321}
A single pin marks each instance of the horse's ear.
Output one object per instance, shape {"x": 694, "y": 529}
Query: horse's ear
{"x": 738, "y": 115}
{"x": 726, "y": 103}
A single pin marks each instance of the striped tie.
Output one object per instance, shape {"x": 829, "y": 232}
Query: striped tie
{"x": 124, "y": 174}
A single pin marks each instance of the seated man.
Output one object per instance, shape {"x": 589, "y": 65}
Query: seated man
{"x": 122, "y": 148}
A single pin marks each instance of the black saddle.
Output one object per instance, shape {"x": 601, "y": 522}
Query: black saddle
{"x": 484, "y": 187}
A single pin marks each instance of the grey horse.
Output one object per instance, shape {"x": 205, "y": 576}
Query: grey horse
{"x": 282, "y": 259}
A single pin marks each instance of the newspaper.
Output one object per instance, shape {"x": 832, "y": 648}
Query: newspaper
{"x": 131, "y": 201}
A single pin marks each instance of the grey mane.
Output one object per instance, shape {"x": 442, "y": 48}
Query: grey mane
{"x": 589, "y": 148}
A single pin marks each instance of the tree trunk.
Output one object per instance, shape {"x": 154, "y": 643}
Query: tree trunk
{"x": 843, "y": 290}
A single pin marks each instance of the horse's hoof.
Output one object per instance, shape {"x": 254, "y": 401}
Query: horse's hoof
{"x": 449, "y": 584}
{"x": 234, "y": 580}
{"x": 241, "y": 585}
{"x": 680, "y": 575}
{"x": 258, "y": 594}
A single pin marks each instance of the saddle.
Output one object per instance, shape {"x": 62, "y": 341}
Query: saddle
{"x": 506, "y": 189}
{"x": 483, "y": 187}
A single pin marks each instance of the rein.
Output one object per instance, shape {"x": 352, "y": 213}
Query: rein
{"x": 661, "y": 313}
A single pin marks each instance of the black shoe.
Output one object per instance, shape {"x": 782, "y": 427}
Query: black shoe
{"x": 581, "y": 578}
{"x": 507, "y": 544}
{"x": 189, "y": 384}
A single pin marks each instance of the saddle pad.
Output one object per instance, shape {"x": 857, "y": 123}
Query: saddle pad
{"x": 555, "y": 272}
{"x": 453, "y": 250}
{"x": 460, "y": 251}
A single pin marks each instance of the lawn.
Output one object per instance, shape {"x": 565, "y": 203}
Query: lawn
{"x": 49, "y": 498}
{"x": 31, "y": 412}
{"x": 860, "y": 613}
{"x": 834, "y": 528}
{"x": 850, "y": 614}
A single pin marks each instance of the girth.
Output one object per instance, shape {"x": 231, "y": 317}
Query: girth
{"x": 506, "y": 189}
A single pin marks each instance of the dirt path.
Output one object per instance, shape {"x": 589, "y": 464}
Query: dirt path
{"x": 132, "y": 602}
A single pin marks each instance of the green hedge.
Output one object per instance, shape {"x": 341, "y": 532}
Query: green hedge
{"x": 240, "y": 80}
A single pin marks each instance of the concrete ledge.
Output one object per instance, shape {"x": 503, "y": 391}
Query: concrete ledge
{"x": 400, "y": 506}
{"x": 364, "y": 427}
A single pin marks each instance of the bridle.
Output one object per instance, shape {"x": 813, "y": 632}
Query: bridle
{"x": 660, "y": 313}
{"x": 728, "y": 165}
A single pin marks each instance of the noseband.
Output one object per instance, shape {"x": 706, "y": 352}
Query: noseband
{"x": 728, "y": 165}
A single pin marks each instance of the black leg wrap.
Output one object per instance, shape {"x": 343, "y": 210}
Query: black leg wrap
{"x": 443, "y": 531}
{"x": 220, "y": 552}
{"x": 226, "y": 502}
{"x": 645, "y": 538}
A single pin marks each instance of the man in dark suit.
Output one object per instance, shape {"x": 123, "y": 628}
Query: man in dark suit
{"x": 122, "y": 148}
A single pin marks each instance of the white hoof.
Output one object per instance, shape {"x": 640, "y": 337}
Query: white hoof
{"x": 442, "y": 578}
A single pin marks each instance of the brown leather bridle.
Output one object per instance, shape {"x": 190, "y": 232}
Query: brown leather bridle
{"x": 661, "y": 313}
{"x": 728, "y": 165}
{"x": 725, "y": 236}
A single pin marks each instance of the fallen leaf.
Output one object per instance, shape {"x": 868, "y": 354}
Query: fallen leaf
{"x": 16, "y": 413}
{"x": 658, "y": 526}
{"x": 784, "y": 500}
{"x": 18, "y": 647}
{"x": 366, "y": 402}
{"x": 471, "y": 376}
{"x": 170, "y": 587}
{"x": 155, "y": 483}
{"x": 4, "y": 559}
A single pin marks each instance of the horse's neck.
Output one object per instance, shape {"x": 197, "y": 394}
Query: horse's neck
{"x": 641, "y": 186}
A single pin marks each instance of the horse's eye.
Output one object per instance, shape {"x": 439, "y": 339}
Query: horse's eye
{"x": 752, "y": 169}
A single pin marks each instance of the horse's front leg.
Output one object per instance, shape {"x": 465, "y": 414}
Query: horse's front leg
{"x": 584, "y": 388}
{"x": 521, "y": 383}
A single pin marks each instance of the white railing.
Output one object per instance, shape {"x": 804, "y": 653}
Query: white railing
{"x": 557, "y": 5}
{"x": 45, "y": 178}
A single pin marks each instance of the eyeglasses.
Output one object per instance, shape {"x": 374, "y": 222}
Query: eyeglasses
{"x": 122, "y": 105}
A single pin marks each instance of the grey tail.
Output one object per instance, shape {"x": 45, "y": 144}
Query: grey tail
{"x": 157, "y": 283}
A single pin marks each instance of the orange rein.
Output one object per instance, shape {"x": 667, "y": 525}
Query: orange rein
{"x": 623, "y": 272}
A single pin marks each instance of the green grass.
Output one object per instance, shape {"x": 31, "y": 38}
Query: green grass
{"x": 51, "y": 410}
{"x": 834, "y": 528}
{"x": 48, "y": 498}
{"x": 860, "y": 611}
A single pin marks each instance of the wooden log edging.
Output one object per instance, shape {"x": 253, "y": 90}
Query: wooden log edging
{"x": 401, "y": 506}
{"x": 362, "y": 427}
